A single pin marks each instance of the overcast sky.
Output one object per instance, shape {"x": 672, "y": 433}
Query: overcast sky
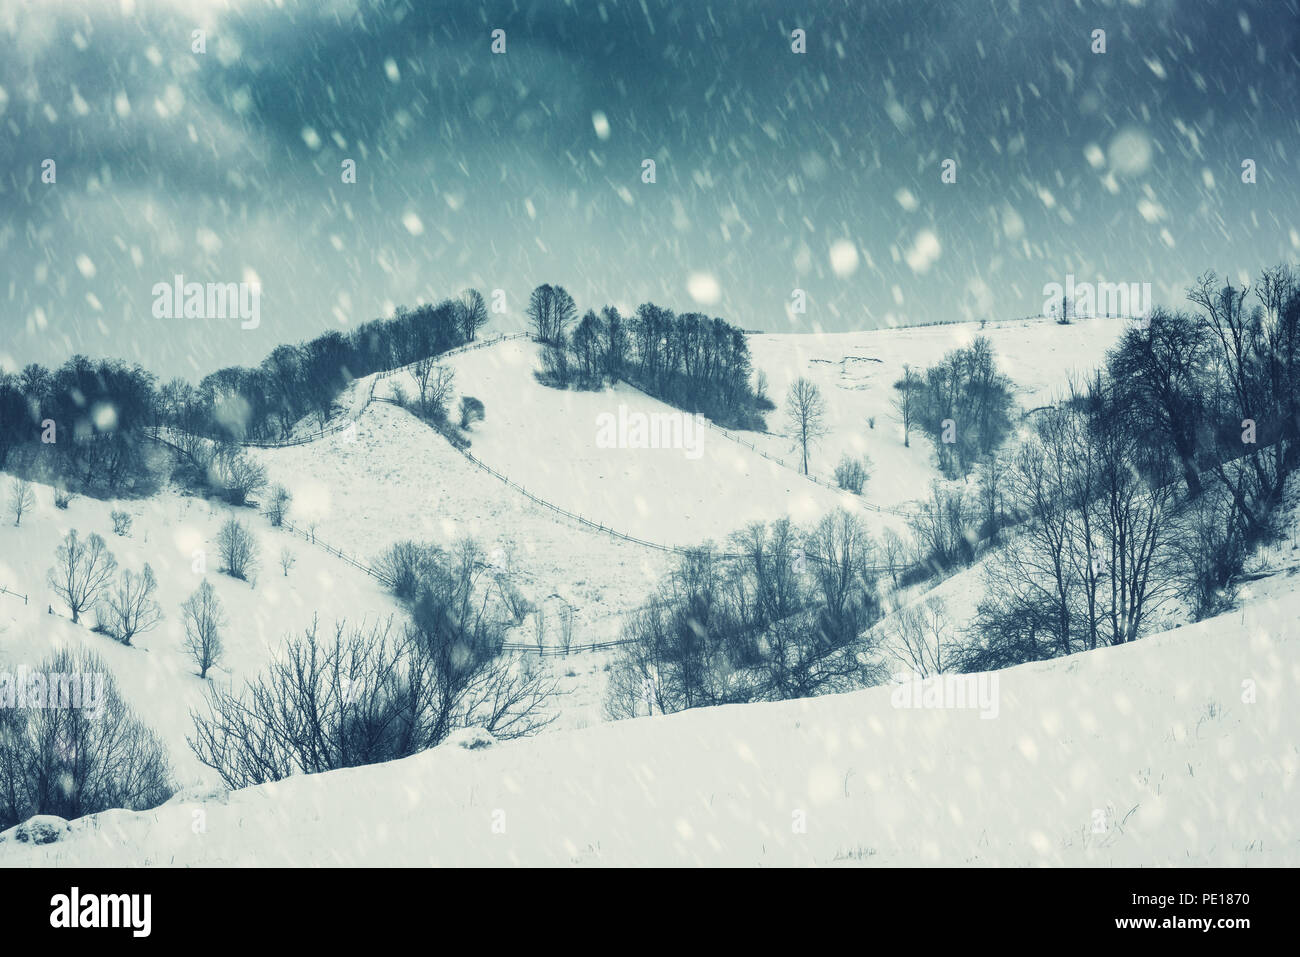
{"x": 775, "y": 170}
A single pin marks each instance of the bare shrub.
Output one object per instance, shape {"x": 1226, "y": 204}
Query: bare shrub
{"x": 121, "y": 523}
{"x": 78, "y": 757}
{"x": 471, "y": 410}
{"x": 403, "y": 565}
{"x": 361, "y": 696}
{"x": 236, "y": 476}
{"x": 851, "y": 474}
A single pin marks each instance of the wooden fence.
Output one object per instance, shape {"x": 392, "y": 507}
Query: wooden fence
{"x": 558, "y": 651}
{"x": 582, "y": 520}
{"x": 6, "y": 591}
{"x": 353, "y": 560}
{"x": 605, "y": 529}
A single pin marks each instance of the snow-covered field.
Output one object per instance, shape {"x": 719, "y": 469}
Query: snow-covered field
{"x": 353, "y": 484}
{"x": 399, "y": 479}
{"x": 548, "y": 441}
{"x": 169, "y": 532}
{"x": 856, "y": 372}
{"x": 392, "y": 478}
{"x": 1180, "y": 749}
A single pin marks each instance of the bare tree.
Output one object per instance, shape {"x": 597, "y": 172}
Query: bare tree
{"x": 550, "y": 310}
{"x": 992, "y": 493}
{"x": 441, "y": 383}
{"x": 1037, "y": 570}
{"x": 566, "y": 628}
{"x": 906, "y": 401}
{"x": 287, "y": 561}
{"x": 540, "y": 307}
{"x": 421, "y": 371}
{"x": 1212, "y": 553}
{"x": 237, "y": 548}
{"x": 204, "y": 619}
{"x": 539, "y": 627}
{"x": 277, "y": 506}
{"x": 404, "y": 565}
{"x": 1245, "y": 346}
{"x": 806, "y": 411}
{"x": 130, "y": 609}
{"x": 21, "y": 499}
{"x": 843, "y": 554}
{"x": 472, "y": 313}
{"x": 782, "y": 616}
{"x": 920, "y": 636}
{"x": 82, "y": 568}
{"x": 893, "y": 550}
{"x": 1162, "y": 370}
{"x": 557, "y": 370}
{"x": 944, "y": 525}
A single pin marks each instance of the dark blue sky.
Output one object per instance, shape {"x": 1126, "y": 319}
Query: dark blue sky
{"x": 492, "y": 170}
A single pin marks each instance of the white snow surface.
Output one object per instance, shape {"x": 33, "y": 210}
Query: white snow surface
{"x": 1159, "y": 741}
{"x": 1146, "y": 754}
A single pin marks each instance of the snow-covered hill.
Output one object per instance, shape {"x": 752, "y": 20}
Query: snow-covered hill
{"x": 1149, "y": 740}
{"x": 394, "y": 478}
{"x": 548, "y": 440}
{"x": 856, "y": 372}
{"x": 1180, "y": 749}
{"x": 172, "y": 532}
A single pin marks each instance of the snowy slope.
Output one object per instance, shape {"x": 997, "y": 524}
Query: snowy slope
{"x": 856, "y": 372}
{"x": 1146, "y": 754}
{"x": 547, "y": 440}
{"x": 395, "y": 478}
{"x": 155, "y": 675}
